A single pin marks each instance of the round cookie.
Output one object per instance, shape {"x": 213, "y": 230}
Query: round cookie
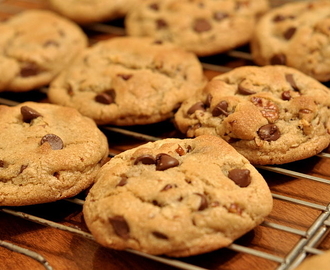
{"x": 91, "y": 11}
{"x": 156, "y": 198}
{"x": 204, "y": 27}
{"x": 320, "y": 262}
{"x": 271, "y": 114}
{"x": 47, "y": 153}
{"x": 129, "y": 81}
{"x": 35, "y": 45}
{"x": 296, "y": 34}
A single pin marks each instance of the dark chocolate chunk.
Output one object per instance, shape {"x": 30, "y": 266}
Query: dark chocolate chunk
{"x": 289, "y": 33}
{"x": 107, "y": 97}
{"x": 54, "y": 141}
{"x": 289, "y": 78}
{"x": 29, "y": 114}
{"x": 221, "y": 109}
{"x": 203, "y": 204}
{"x": 165, "y": 161}
{"x": 269, "y": 132}
{"x": 197, "y": 106}
{"x": 201, "y": 25}
{"x": 241, "y": 177}
{"x": 286, "y": 95}
{"x": 120, "y": 226}
{"x": 145, "y": 159}
{"x": 278, "y": 59}
{"x": 29, "y": 69}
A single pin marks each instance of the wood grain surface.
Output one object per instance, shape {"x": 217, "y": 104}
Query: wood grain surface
{"x": 297, "y": 227}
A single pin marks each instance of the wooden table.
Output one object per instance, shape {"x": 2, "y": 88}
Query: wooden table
{"x": 54, "y": 236}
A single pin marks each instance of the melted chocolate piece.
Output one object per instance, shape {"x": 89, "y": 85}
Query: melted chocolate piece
{"x": 245, "y": 91}
{"x": 197, "y": 106}
{"x": 241, "y": 177}
{"x": 2, "y": 163}
{"x": 286, "y": 95}
{"x": 204, "y": 204}
{"x": 125, "y": 76}
{"x": 220, "y": 109}
{"x": 54, "y": 141}
{"x": 29, "y": 114}
{"x": 201, "y": 25}
{"x": 160, "y": 235}
{"x": 180, "y": 150}
{"x": 107, "y": 97}
{"x": 29, "y": 69}
{"x": 145, "y": 159}
{"x": 154, "y": 6}
{"x": 23, "y": 167}
{"x": 120, "y": 226}
{"x": 168, "y": 186}
{"x": 122, "y": 182}
{"x": 279, "y": 18}
{"x": 289, "y": 33}
{"x": 269, "y": 132}
{"x": 278, "y": 59}
{"x": 219, "y": 15}
{"x": 160, "y": 23}
{"x": 165, "y": 161}
{"x": 289, "y": 78}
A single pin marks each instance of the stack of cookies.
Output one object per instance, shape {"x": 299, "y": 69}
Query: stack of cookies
{"x": 155, "y": 198}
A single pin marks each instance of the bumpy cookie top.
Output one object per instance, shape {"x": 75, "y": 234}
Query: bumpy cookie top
{"x": 297, "y": 35}
{"x": 47, "y": 152}
{"x": 90, "y": 11}
{"x": 271, "y": 115}
{"x": 34, "y": 46}
{"x": 176, "y": 197}
{"x": 129, "y": 81}
{"x": 204, "y": 27}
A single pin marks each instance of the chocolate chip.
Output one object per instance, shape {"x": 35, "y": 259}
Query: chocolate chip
{"x": 2, "y": 163}
{"x": 23, "y": 167}
{"x": 54, "y": 141}
{"x": 169, "y": 186}
{"x": 221, "y": 109}
{"x": 154, "y": 6}
{"x": 120, "y": 226}
{"x": 286, "y": 95}
{"x": 241, "y": 177}
{"x": 289, "y": 33}
{"x": 107, "y": 97}
{"x": 125, "y": 76}
{"x": 160, "y": 24}
{"x": 145, "y": 159}
{"x": 245, "y": 91}
{"x": 49, "y": 43}
{"x": 29, "y": 69}
{"x": 122, "y": 182}
{"x": 279, "y": 18}
{"x": 269, "y": 132}
{"x": 203, "y": 204}
{"x": 160, "y": 235}
{"x": 208, "y": 100}
{"x": 180, "y": 150}
{"x": 219, "y": 15}
{"x": 29, "y": 114}
{"x": 165, "y": 161}
{"x": 198, "y": 106}
{"x": 278, "y": 59}
{"x": 289, "y": 78}
{"x": 201, "y": 25}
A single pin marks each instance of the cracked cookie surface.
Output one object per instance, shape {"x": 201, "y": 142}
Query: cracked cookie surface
{"x": 178, "y": 197}
{"x": 271, "y": 115}
{"x": 129, "y": 81}
{"x": 91, "y": 11}
{"x": 35, "y": 45}
{"x": 47, "y": 153}
{"x": 297, "y": 35}
{"x": 204, "y": 27}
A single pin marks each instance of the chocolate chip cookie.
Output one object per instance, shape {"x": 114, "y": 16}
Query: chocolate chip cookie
{"x": 271, "y": 115}
{"x": 178, "y": 197}
{"x": 296, "y": 34}
{"x": 129, "y": 81}
{"x": 47, "y": 153}
{"x": 204, "y": 27}
{"x": 91, "y": 11}
{"x": 35, "y": 46}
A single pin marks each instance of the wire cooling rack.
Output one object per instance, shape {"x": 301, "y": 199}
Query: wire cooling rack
{"x": 310, "y": 237}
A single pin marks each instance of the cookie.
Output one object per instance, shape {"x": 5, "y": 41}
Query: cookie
{"x": 129, "y": 81}
{"x": 47, "y": 153}
{"x": 156, "y": 198}
{"x": 320, "y": 262}
{"x": 205, "y": 27}
{"x": 297, "y": 35}
{"x": 35, "y": 46}
{"x": 91, "y": 11}
{"x": 271, "y": 114}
